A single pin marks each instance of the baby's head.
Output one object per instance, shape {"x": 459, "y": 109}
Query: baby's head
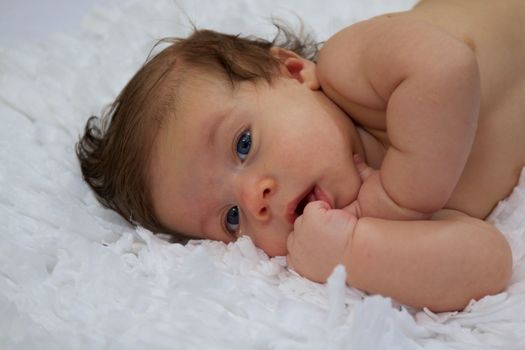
{"x": 219, "y": 136}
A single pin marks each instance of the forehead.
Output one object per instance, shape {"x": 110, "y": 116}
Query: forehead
{"x": 181, "y": 168}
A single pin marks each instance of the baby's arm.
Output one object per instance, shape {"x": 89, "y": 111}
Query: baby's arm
{"x": 441, "y": 264}
{"x": 428, "y": 81}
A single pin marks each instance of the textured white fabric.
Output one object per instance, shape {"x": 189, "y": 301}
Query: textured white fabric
{"x": 75, "y": 276}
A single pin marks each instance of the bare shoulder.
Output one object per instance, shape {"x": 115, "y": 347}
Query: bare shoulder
{"x": 366, "y": 61}
{"x": 340, "y": 65}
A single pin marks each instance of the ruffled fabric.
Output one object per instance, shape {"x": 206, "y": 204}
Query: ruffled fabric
{"x": 75, "y": 276}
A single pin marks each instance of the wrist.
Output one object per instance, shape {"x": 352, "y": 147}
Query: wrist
{"x": 388, "y": 207}
{"x": 348, "y": 249}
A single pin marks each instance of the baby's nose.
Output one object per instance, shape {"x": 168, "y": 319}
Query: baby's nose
{"x": 256, "y": 197}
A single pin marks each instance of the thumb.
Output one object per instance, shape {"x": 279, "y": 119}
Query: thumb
{"x": 317, "y": 205}
{"x": 362, "y": 168}
{"x": 290, "y": 242}
{"x": 289, "y": 262}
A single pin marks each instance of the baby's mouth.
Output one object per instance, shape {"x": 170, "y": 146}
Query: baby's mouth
{"x": 296, "y": 208}
{"x": 309, "y": 197}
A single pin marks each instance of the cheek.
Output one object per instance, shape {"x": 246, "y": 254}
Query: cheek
{"x": 346, "y": 185}
{"x": 270, "y": 242}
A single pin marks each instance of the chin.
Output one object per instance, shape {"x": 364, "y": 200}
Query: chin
{"x": 350, "y": 198}
{"x": 273, "y": 251}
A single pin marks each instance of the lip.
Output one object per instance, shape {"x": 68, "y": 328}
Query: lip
{"x": 319, "y": 194}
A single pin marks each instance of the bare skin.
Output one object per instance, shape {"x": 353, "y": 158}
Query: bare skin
{"x": 468, "y": 128}
{"x": 493, "y": 31}
{"x": 447, "y": 78}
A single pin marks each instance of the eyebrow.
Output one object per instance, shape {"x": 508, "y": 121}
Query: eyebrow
{"x": 214, "y": 126}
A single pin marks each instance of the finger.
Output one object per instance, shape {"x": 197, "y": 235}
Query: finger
{"x": 290, "y": 241}
{"x": 298, "y": 221}
{"x": 317, "y": 205}
{"x": 289, "y": 262}
{"x": 362, "y": 168}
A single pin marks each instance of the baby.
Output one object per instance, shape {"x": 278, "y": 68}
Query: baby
{"x": 383, "y": 153}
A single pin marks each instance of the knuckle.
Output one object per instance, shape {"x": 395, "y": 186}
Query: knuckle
{"x": 289, "y": 262}
{"x": 290, "y": 241}
{"x": 297, "y": 223}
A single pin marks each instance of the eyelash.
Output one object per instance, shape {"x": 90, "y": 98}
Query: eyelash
{"x": 237, "y": 140}
{"x": 233, "y": 233}
{"x": 245, "y": 132}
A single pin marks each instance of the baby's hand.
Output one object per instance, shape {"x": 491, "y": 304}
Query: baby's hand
{"x": 319, "y": 240}
{"x": 374, "y": 201}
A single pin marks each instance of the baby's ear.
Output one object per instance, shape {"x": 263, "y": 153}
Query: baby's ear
{"x": 297, "y": 67}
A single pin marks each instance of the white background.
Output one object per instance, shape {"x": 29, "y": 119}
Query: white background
{"x": 26, "y": 21}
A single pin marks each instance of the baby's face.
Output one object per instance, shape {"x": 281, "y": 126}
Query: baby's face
{"x": 246, "y": 162}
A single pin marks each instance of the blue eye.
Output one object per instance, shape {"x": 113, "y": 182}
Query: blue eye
{"x": 244, "y": 143}
{"x": 232, "y": 220}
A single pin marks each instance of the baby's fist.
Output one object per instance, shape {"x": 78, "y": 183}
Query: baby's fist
{"x": 373, "y": 200}
{"x": 319, "y": 240}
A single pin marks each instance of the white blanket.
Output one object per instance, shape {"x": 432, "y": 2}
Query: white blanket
{"x": 75, "y": 276}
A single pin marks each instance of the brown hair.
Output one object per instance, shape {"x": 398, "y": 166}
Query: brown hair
{"x": 115, "y": 149}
